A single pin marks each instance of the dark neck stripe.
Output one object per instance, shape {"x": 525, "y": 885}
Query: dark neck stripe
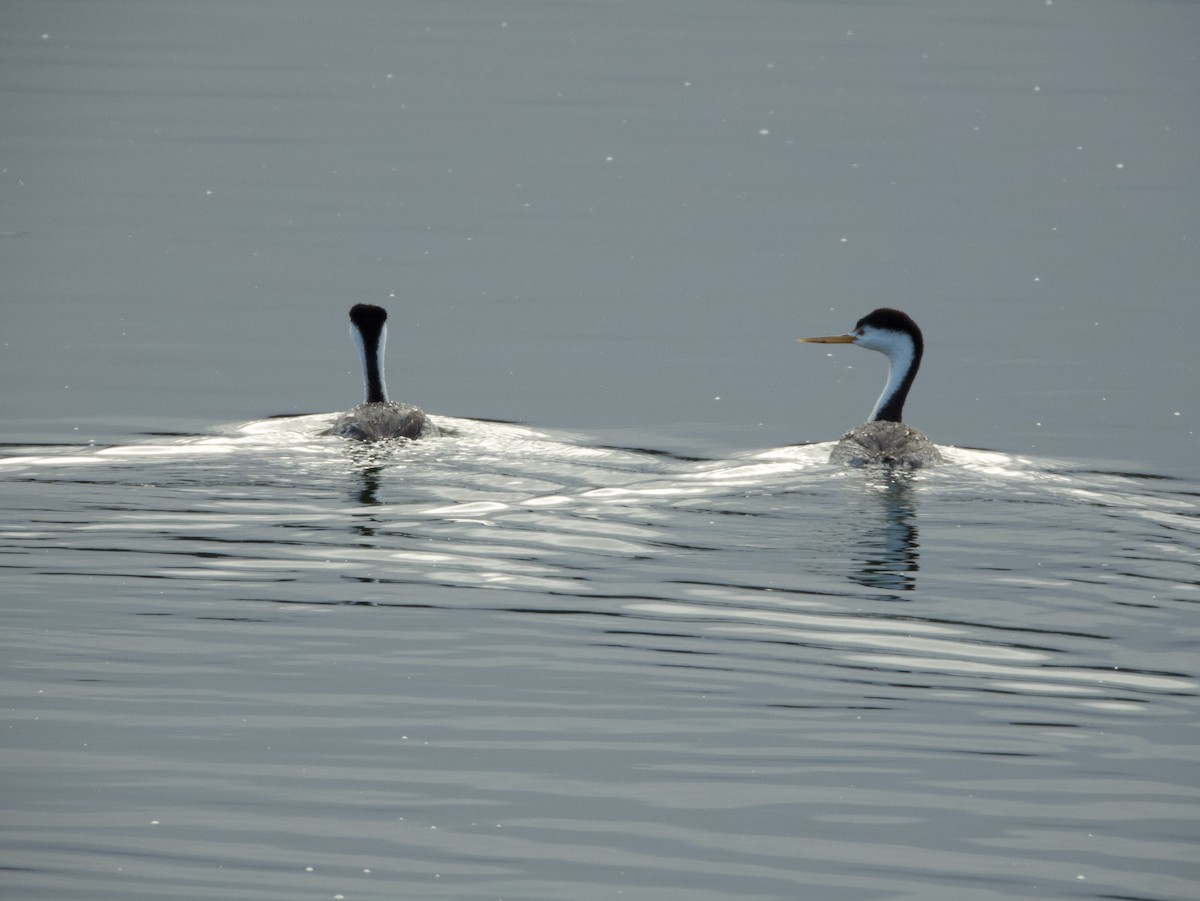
{"x": 893, "y": 410}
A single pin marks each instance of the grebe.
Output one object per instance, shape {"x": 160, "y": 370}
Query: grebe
{"x": 885, "y": 439}
{"x": 378, "y": 418}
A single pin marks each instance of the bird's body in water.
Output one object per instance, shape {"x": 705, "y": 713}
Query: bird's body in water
{"x": 885, "y": 439}
{"x": 377, "y": 418}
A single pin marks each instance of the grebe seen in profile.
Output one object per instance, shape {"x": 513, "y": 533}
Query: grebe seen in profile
{"x": 885, "y": 438}
{"x": 378, "y": 418}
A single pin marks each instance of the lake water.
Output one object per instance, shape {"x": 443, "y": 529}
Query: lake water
{"x": 620, "y": 631}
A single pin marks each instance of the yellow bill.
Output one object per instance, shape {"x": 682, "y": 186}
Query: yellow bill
{"x": 831, "y": 339}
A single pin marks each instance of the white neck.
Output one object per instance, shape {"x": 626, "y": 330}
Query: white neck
{"x": 899, "y": 352}
{"x": 372, "y": 361}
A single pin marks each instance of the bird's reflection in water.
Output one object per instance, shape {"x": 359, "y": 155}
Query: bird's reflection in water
{"x": 368, "y": 489}
{"x": 369, "y": 459}
{"x": 884, "y": 551}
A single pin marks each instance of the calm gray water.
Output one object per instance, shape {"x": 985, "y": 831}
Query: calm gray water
{"x": 615, "y": 634}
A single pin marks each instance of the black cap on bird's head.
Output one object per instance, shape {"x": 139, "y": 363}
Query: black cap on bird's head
{"x": 889, "y": 320}
{"x": 368, "y": 316}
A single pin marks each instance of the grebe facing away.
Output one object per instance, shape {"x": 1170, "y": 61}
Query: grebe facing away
{"x": 885, "y": 439}
{"x": 378, "y": 418}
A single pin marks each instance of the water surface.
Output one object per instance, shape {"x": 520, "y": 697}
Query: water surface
{"x": 507, "y": 663}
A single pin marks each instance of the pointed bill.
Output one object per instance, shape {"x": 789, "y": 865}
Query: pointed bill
{"x": 831, "y": 339}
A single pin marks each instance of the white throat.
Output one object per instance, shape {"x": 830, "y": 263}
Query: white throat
{"x": 898, "y": 348}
